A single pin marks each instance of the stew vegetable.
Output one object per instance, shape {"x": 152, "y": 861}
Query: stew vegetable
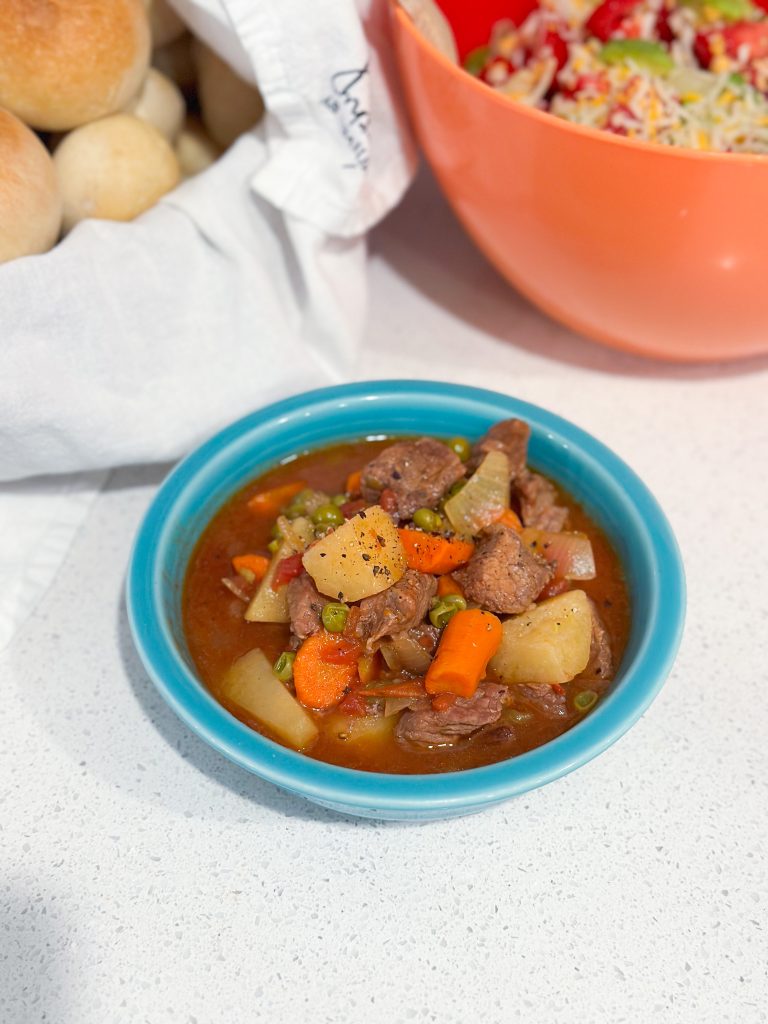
{"x": 407, "y": 605}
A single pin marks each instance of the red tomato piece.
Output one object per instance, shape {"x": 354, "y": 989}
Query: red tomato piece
{"x": 559, "y": 47}
{"x": 346, "y": 651}
{"x": 287, "y": 569}
{"x": 606, "y": 18}
{"x": 745, "y": 41}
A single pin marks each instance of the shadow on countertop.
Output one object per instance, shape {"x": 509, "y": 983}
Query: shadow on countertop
{"x": 212, "y": 764}
{"x": 422, "y": 242}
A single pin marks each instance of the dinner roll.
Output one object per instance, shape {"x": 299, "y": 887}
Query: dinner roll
{"x": 164, "y": 23}
{"x": 64, "y": 63}
{"x": 114, "y": 169}
{"x": 230, "y": 106}
{"x": 160, "y": 103}
{"x": 30, "y": 204}
{"x": 176, "y": 61}
{"x": 195, "y": 150}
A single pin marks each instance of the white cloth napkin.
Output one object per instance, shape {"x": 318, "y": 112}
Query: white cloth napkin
{"x": 131, "y": 342}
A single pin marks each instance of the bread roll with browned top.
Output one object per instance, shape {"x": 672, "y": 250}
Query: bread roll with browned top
{"x": 114, "y": 169}
{"x": 30, "y": 204}
{"x": 64, "y": 63}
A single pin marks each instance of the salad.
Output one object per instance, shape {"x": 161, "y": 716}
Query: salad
{"x": 690, "y": 73}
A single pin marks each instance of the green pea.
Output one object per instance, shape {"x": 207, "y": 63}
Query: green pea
{"x": 334, "y": 616}
{"x": 273, "y": 547}
{"x": 340, "y": 499}
{"x": 427, "y": 520}
{"x": 585, "y": 700}
{"x": 275, "y": 532}
{"x": 461, "y": 446}
{"x": 445, "y": 608}
{"x": 294, "y": 510}
{"x": 283, "y": 667}
{"x": 328, "y": 515}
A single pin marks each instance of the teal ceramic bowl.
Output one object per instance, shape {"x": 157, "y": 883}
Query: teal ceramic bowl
{"x": 611, "y": 493}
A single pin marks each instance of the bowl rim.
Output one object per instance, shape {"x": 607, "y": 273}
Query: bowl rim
{"x": 545, "y": 118}
{"x": 349, "y": 788}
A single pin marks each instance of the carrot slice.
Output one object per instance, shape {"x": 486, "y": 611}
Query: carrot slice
{"x": 468, "y": 643}
{"x": 320, "y": 681}
{"x": 270, "y": 502}
{"x": 354, "y": 481}
{"x": 510, "y": 518}
{"x": 432, "y": 554}
{"x": 448, "y": 585}
{"x": 251, "y": 567}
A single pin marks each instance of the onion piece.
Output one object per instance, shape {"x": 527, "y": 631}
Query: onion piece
{"x": 298, "y": 532}
{"x": 405, "y": 653}
{"x": 570, "y": 553}
{"x": 484, "y": 497}
{"x": 394, "y": 705}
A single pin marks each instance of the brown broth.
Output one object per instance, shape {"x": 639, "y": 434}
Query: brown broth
{"x": 217, "y": 633}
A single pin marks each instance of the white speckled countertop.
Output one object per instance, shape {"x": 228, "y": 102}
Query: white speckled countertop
{"x": 144, "y": 878}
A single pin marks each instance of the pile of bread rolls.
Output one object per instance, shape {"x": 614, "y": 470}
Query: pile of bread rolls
{"x": 99, "y": 105}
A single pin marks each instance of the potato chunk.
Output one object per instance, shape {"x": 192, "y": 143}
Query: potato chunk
{"x": 548, "y": 644}
{"x": 360, "y": 558}
{"x": 252, "y": 685}
{"x": 268, "y": 605}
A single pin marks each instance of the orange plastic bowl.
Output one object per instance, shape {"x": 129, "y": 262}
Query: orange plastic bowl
{"x": 656, "y": 250}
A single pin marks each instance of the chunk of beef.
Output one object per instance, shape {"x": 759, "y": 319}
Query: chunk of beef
{"x": 541, "y": 697}
{"x": 305, "y": 606}
{"x": 510, "y": 437}
{"x": 503, "y": 575}
{"x": 424, "y": 726}
{"x": 600, "y": 665}
{"x": 396, "y": 609}
{"x": 538, "y": 502}
{"x": 417, "y": 472}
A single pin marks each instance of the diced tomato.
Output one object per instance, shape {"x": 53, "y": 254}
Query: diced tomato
{"x": 762, "y": 4}
{"x": 351, "y": 508}
{"x": 663, "y": 28}
{"x": 701, "y": 49}
{"x": 287, "y": 569}
{"x": 559, "y": 47}
{"x": 606, "y": 18}
{"x": 388, "y": 501}
{"x": 354, "y": 704}
{"x": 346, "y": 652}
{"x": 745, "y": 41}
